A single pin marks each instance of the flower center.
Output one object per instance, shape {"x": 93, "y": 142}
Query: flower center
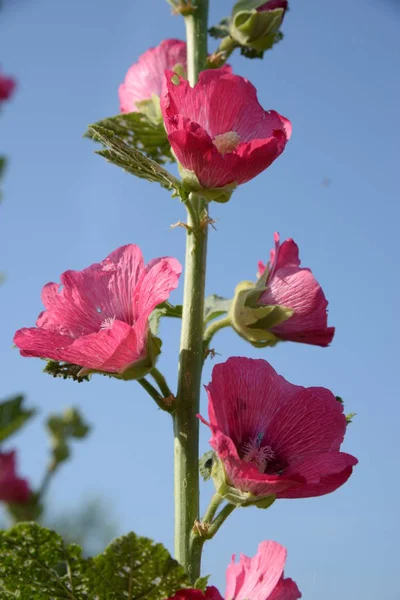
{"x": 255, "y": 453}
{"x": 226, "y": 142}
{"x": 107, "y": 323}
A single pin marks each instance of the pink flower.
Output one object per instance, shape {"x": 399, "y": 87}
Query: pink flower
{"x": 219, "y": 131}
{"x": 12, "y": 488}
{"x": 261, "y": 577}
{"x": 98, "y": 317}
{"x": 257, "y": 578}
{"x": 294, "y": 287}
{"x": 7, "y": 86}
{"x": 273, "y": 437}
{"x": 145, "y": 78}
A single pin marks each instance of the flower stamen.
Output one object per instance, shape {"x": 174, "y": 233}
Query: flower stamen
{"x": 257, "y": 454}
{"x": 226, "y": 142}
{"x": 107, "y": 323}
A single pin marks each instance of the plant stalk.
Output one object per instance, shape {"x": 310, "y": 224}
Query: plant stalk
{"x": 186, "y": 424}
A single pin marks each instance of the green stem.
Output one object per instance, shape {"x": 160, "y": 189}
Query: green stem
{"x": 186, "y": 424}
{"x": 202, "y": 534}
{"x": 151, "y": 390}
{"x": 219, "y": 519}
{"x": 161, "y": 382}
{"x": 212, "y": 330}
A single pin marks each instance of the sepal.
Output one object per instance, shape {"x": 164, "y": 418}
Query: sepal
{"x": 256, "y": 29}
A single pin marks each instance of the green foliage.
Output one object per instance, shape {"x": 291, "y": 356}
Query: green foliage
{"x": 206, "y": 464}
{"x": 349, "y": 418}
{"x": 165, "y": 309}
{"x": 133, "y": 161}
{"x": 13, "y": 416}
{"x": 221, "y": 30}
{"x": 62, "y": 428}
{"x": 215, "y": 306}
{"x": 201, "y": 583}
{"x": 65, "y": 370}
{"x": 137, "y": 130}
{"x": 35, "y": 564}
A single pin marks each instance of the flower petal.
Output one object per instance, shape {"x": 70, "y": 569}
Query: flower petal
{"x": 286, "y": 589}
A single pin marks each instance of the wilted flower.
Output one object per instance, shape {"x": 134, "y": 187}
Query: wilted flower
{"x": 7, "y": 86}
{"x": 13, "y": 489}
{"x": 287, "y": 302}
{"x": 218, "y": 131}
{"x": 274, "y": 438}
{"x": 144, "y": 79}
{"x": 258, "y": 578}
{"x": 99, "y": 317}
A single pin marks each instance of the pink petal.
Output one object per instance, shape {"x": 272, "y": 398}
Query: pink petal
{"x": 324, "y": 474}
{"x": 211, "y": 593}
{"x": 160, "y": 277}
{"x": 7, "y": 87}
{"x": 258, "y": 576}
{"x": 42, "y": 343}
{"x": 146, "y": 77}
{"x": 286, "y": 589}
{"x": 310, "y": 422}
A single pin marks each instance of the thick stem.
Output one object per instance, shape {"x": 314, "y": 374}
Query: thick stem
{"x": 186, "y": 424}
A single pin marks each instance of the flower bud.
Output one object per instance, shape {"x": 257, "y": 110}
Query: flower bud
{"x": 255, "y": 23}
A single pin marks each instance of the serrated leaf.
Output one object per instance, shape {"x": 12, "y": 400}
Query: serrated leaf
{"x": 215, "y": 306}
{"x": 30, "y": 557}
{"x": 165, "y": 309}
{"x": 137, "y": 130}
{"x": 133, "y": 161}
{"x": 206, "y": 464}
{"x": 13, "y": 416}
{"x": 134, "y": 567}
{"x": 35, "y": 564}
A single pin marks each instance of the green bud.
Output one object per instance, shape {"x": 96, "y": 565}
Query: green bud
{"x": 232, "y": 494}
{"x": 255, "y": 26}
{"x": 252, "y": 320}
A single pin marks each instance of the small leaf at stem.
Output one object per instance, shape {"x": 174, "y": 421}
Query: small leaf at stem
{"x": 201, "y": 583}
{"x": 133, "y": 161}
{"x": 139, "y": 131}
{"x": 13, "y": 416}
{"x": 206, "y": 464}
{"x": 215, "y": 306}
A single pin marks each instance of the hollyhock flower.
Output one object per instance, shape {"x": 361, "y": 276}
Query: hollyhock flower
{"x": 288, "y": 284}
{"x": 257, "y": 578}
{"x": 98, "y": 317}
{"x": 12, "y": 488}
{"x": 144, "y": 79}
{"x": 7, "y": 86}
{"x": 274, "y": 438}
{"x": 218, "y": 131}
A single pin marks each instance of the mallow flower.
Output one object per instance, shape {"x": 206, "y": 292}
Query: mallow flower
{"x": 144, "y": 80}
{"x": 13, "y": 489}
{"x": 273, "y": 438}
{"x": 7, "y": 86}
{"x": 220, "y": 134}
{"x": 98, "y": 318}
{"x": 258, "y": 578}
{"x": 286, "y": 303}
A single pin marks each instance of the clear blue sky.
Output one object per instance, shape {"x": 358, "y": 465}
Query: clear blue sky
{"x": 336, "y": 77}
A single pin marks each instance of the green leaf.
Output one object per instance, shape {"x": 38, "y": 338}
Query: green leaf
{"x": 30, "y": 559}
{"x": 201, "y": 583}
{"x": 165, "y": 309}
{"x": 139, "y": 131}
{"x": 13, "y": 416}
{"x": 62, "y": 428}
{"x": 133, "y": 161}
{"x": 215, "y": 306}
{"x": 65, "y": 370}
{"x": 134, "y": 567}
{"x": 35, "y": 564}
{"x": 349, "y": 418}
{"x": 221, "y": 30}
{"x": 206, "y": 464}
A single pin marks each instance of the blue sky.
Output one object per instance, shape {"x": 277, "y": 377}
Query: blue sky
{"x": 334, "y": 76}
